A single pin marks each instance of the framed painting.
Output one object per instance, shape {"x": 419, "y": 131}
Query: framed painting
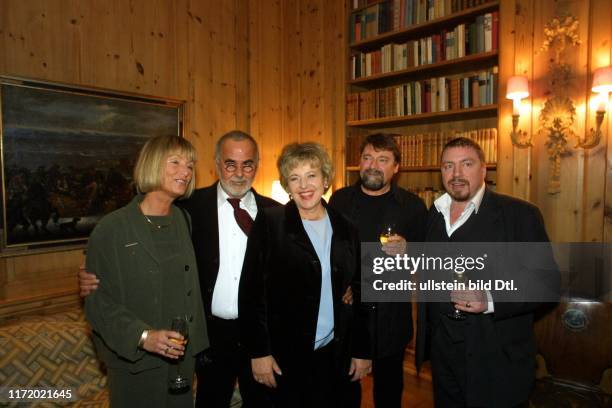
{"x": 68, "y": 155}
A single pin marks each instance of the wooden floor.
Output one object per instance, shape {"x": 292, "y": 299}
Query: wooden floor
{"x": 417, "y": 392}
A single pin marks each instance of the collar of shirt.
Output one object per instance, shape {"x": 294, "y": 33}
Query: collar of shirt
{"x": 443, "y": 205}
{"x": 247, "y": 202}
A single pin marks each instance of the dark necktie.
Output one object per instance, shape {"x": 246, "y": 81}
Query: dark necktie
{"x": 243, "y": 219}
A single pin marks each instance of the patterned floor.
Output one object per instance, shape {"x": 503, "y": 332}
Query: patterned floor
{"x": 55, "y": 351}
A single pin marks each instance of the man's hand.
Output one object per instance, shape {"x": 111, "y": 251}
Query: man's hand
{"x": 359, "y": 368}
{"x": 166, "y": 343}
{"x": 88, "y": 282}
{"x": 395, "y": 245}
{"x": 347, "y": 298}
{"x": 264, "y": 369}
{"x": 470, "y": 301}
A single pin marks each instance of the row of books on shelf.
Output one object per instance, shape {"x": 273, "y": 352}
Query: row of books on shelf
{"x": 424, "y": 149}
{"x": 431, "y": 95}
{"x": 395, "y": 15}
{"x": 465, "y": 39}
{"x": 427, "y": 194}
{"x": 431, "y": 194}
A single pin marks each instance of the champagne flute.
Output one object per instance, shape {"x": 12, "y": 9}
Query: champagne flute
{"x": 179, "y": 384}
{"x": 457, "y": 314}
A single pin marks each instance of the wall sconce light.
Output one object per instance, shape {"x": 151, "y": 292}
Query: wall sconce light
{"x": 278, "y": 192}
{"x": 602, "y": 84}
{"x": 517, "y": 89}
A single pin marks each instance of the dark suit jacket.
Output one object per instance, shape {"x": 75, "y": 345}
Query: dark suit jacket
{"x": 500, "y": 347}
{"x": 280, "y": 290}
{"x": 390, "y": 323}
{"x": 202, "y": 207}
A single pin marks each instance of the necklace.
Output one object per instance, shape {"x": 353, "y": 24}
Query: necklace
{"x": 155, "y": 225}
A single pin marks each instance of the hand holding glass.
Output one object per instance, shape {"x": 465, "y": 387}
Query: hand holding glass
{"x": 179, "y": 384}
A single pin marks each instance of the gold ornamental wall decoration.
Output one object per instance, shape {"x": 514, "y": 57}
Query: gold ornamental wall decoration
{"x": 558, "y": 112}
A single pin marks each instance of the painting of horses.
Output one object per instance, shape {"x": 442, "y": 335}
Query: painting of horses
{"x": 68, "y": 155}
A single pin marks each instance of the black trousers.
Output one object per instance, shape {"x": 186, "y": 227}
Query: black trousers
{"x": 218, "y": 367}
{"x": 312, "y": 381}
{"x": 448, "y": 367}
{"x": 388, "y": 376}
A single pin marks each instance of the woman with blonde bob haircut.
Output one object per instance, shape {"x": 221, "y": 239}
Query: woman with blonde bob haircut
{"x": 144, "y": 259}
{"x": 305, "y": 344}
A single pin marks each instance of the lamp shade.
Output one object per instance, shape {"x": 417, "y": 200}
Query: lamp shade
{"x": 602, "y": 80}
{"x": 517, "y": 88}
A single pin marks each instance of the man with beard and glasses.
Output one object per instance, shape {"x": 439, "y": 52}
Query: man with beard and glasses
{"x": 488, "y": 358}
{"x": 374, "y": 204}
{"x": 222, "y": 215}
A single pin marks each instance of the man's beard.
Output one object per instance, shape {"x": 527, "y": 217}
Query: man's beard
{"x": 372, "y": 179}
{"x": 461, "y": 195}
{"x": 233, "y": 190}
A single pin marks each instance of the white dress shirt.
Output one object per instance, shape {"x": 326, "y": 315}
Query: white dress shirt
{"x": 232, "y": 246}
{"x": 443, "y": 205}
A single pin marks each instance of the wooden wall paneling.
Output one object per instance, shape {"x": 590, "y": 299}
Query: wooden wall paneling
{"x": 265, "y": 45}
{"x": 505, "y": 151}
{"x": 311, "y": 75}
{"x": 334, "y": 83}
{"x": 595, "y": 159}
{"x": 185, "y": 49}
{"x": 212, "y": 62}
{"x": 580, "y": 179}
{"x": 241, "y": 66}
{"x": 523, "y": 52}
{"x": 607, "y": 221}
{"x": 539, "y": 90}
{"x": 35, "y": 41}
{"x": 562, "y": 211}
{"x": 291, "y": 75}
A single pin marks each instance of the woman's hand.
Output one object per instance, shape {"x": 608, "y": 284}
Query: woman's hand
{"x": 264, "y": 369}
{"x": 166, "y": 343}
{"x": 360, "y": 368}
{"x": 88, "y": 282}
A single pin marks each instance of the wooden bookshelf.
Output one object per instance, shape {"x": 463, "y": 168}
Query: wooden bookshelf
{"x": 450, "y": 121}
{"x": 477, "y": 111}
{"x": 463, "y": 64}
{"x": 355, "y": 10}
{"x": 423, "y": 28}
{"x": 490, "y": 166}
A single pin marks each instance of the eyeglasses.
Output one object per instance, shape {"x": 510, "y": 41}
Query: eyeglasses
{"x": 231, "y": 167}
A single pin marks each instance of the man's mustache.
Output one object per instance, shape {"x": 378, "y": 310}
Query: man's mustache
{"x": 373, "y": 172}
{"x": 459, "y": 180}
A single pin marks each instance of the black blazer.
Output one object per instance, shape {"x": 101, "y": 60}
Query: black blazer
{"x": 390, "y": 323}
{"x": 500, "y": 347}
{"x": 202, "y": 207}
{"x": 280, "y": 290}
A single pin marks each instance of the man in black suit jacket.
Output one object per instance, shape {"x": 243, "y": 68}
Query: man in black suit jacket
{"x": 488, "y": 359}
{"x": 372, "y": 204}
{"x": 220, "y": 243}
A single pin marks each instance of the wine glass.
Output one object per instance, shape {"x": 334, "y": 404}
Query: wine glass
{"x": 179, "y": 384}
{"x": 457, "y": 314}
{"x": 387, "y": 232}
